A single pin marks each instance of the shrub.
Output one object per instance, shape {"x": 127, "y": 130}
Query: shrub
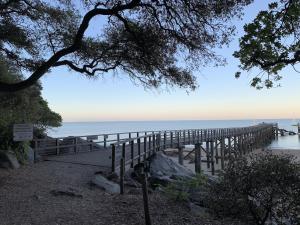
{"x": 180, "y": 189}
{"x": 262, "y": 187}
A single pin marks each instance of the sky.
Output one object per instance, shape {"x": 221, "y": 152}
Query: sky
{"x": 219, "y": 95}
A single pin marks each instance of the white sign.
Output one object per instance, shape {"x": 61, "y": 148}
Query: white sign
{"x": 23, "y": 132}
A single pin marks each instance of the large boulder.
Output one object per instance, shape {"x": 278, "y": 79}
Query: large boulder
{"x": 105, "y": 184}
{"x": 165, "y": 169}
{"x": 8, "y": 160}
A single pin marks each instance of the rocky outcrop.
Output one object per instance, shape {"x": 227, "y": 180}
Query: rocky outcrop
{"x": 105, "y": 184}
{"x": 8, "y": 160}
{"x": 163, "y": 169}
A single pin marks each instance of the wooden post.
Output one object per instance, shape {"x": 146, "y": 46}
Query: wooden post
{"x": 198, "y": 158}
{"x": 122, "y": 172}
{"x": 165, "y": 140}
{"x": 235, "y": 144}
{"x": 132, "y": 153}
{"x": 216, "y": 152}
{"x": 91, "y": 145}
{"x": 35, "y": 151}
{"x": 145, "y": 148}
{"x": 104, "y": 140}
{"x": 57, "y": 146}
{"x": 113, "y": 158}
{"x": 139, "y": 149}
{"x": 150, "y": 145}
{"x": 75, "y": 142}
{"x": 212, "y": 158}
{"x": 171, "y": 139}
{"x": 145, "y": 199}
{"x": 207, "y": 154}
{"x": 178, "y": 139}
{"x": 222, "y": 152}
{"x": 153, "y": 142}
{"x": 180, "y": 155}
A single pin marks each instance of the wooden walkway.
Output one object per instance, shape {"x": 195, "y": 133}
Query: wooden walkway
{"x": 116, "y": 151}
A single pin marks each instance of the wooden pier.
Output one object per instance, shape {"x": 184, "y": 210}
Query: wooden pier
{"x": 114, "y": 152}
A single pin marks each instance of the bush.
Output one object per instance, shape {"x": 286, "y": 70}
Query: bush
{"x": 180, "y": 189}
{"x": 263, "y": 187}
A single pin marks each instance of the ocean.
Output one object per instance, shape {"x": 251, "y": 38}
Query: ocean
{"x": 93, "y": 128}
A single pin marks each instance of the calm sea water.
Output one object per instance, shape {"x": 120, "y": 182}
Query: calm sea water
{"x": 91, "y": 128}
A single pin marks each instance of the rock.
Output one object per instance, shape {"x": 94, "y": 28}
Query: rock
{"x": 105, "y": 184}
{"x": 8, "y": 160}
{"x": 198, "y": 210}
{"x": 30, "y": 156}
{"x": 161, "y": 166}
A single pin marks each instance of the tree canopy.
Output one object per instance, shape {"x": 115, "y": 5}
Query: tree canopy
{"x": 153, "y": 41}
{"x": 271, "y": 42}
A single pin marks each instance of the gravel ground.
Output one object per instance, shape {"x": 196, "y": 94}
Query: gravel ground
{"x": 26, "y": 199}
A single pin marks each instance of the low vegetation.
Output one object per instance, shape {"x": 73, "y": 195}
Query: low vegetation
{"x": 262, "y": 188}
{"x": 181, "y": 189}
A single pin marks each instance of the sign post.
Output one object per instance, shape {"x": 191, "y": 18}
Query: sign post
{"x": 23, "y": 132}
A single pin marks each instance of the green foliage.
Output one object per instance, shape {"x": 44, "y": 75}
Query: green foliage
{"x": 271, "y": 42}
{"x": 24, "y": 106}
{"x": 148, "y": 40}
{"x": 180, "y": 189}
{"x": 262, "y": 187}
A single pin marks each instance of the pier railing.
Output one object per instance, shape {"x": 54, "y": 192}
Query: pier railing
{"x": 130, "y": 148}
{"x": 217, "y": 144}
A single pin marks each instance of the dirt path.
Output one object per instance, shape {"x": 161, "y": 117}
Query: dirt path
{"x": 25, "y": 199}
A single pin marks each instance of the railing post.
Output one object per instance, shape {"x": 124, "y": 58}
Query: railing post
{"x": 145, "y": 148}
{"x": 75, "y": 142}
{"x": 35, "y": 151}
{"x": 122, "y": 172}
{"x": 222, "y": 152}
{"x": 139, "y": 149}
{"x": 113, "y": 158}
{"x": 104, "y": 141}
{"x": 198, "y": 158}
{"x": 207, "y": 154}
{"x": 216, "y": 152}
{"x": 154, "y": 143}
{"x": 178, "y": 139}
{"x": 171, "y": 139}
{"x": 212, "y": 158}
{"x": 180, "y": 155}
{"x": 57, "y": 146}
{"x": 165, "y": 140}
{"x": 132, "y": 153}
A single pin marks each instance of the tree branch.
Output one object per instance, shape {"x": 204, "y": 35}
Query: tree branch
{"x": 41, "y": 70}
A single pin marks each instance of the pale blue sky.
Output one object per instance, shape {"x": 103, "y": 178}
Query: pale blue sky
{"x": 219, "y": 96}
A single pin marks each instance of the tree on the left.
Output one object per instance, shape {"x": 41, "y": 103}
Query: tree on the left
{"x": 25, "y": 106}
